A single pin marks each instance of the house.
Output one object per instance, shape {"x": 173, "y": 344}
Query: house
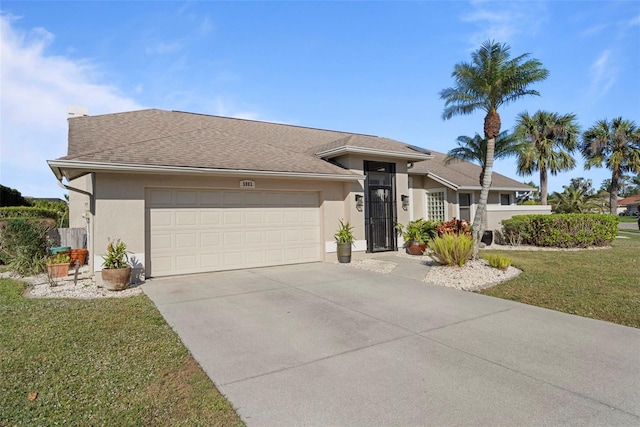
{"x": 629, "y": 205}
{"x": 193, "y": 193}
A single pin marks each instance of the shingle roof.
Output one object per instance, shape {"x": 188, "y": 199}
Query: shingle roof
{"x": 463, "y": 174}
{"x": 179, "y": 139}
{"x": 631, "y": 200}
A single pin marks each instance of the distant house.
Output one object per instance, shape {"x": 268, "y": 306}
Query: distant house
{"x": 630, "y": 205}
{"x": 194, "y": 193}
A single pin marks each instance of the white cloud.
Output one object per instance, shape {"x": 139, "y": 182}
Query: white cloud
{"x": 603, "y": 75}
{"x": 164, "y": 48}
{"x": 503, "y": 21}
{"x": 37, "y": 87}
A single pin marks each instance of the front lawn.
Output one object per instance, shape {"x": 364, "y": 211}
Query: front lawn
{"x": 98, "y": 362}
{"x": 602, "y": 283}
{"x": 628, "y": 218}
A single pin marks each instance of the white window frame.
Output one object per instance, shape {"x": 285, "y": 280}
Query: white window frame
{"x": 444, "y": 200}
{"x": 511, "y": 199}
{"x": 472, "y": 204}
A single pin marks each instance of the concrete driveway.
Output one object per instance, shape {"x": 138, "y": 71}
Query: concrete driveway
{"x": 327, "y": 344}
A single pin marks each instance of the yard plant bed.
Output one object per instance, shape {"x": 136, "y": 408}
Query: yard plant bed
{"x": 98, "y": 362}
{"x": 600, "y": 284}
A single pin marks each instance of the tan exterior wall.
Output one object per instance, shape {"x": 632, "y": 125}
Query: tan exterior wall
{"x": 496, "y": 214}
{"x": 79, "y": 203}
{"x": 120, "y": 206}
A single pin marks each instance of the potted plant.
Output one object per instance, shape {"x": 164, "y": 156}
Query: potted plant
{"x": 116, "y": 273}
{"x": 344, "y": 240}
{"x": 416, "y": 234}
{"x": 58, "y": 265}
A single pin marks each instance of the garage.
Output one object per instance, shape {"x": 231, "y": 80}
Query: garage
{"x": 195, "y": 230}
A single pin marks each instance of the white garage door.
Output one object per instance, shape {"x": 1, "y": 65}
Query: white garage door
{"x": 192, "y": 231}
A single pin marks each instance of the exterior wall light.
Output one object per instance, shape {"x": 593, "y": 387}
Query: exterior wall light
{"x": 405, "y": 202}
{"x": 359, "y": 202}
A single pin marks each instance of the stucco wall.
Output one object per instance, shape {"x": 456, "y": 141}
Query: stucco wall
{"x": 496, "y": 213}
{"x": 120, "y": 205}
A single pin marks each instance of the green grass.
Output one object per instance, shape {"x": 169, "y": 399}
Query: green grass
{"x": 99, "y": 362}
{"x": 601, "y": 284}
{"x": 628, "y": 218}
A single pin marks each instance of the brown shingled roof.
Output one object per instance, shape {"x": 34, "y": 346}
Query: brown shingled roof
{"x": 463, "y": 174}
{"x": 179, "y": 139}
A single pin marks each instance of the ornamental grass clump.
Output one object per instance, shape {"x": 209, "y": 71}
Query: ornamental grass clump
{"x": 501, "y": 262}
{"x": 451, "y": 249}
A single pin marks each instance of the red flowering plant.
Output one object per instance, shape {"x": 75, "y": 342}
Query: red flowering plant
{"x": 455, "y": 226}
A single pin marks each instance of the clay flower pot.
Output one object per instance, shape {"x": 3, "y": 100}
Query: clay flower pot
{"x": 116, "y": 279}
{"x": 58, "y": 270}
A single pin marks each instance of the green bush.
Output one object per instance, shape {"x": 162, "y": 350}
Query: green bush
{"x": 501, "y": 262}
{"x": 13, "y": 212}
{"x": 451, "y": 249}
{"x": 561, "y": 230}
{"x": 24, "y": 246}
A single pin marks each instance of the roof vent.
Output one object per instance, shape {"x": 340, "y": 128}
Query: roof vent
{"x": 77, "y": 111}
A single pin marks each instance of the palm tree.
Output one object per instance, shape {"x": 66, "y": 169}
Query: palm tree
{"x": 488, "y": 82}
{"x": 549, "y": 140}
{"x": 475, "y": 149}
{"x": 575, "y": 200}
{"x": 615, "y": 144}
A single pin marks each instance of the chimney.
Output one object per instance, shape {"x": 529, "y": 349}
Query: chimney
{"x": 77, "y": 111}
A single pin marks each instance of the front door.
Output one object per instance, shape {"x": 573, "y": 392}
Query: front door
{"x": 380, "y": 206}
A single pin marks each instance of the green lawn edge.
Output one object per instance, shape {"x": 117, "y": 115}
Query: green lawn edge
{"x": 112, "y": 361}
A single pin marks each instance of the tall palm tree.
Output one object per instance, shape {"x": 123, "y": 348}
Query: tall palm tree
{"x": 549, "y": 140}
{"x": 492, "y": 79}
{"x": 475, "y": 149}
{"x": 616, "y": 144}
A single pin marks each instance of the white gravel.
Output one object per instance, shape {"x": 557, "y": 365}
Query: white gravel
{"x": 472, "y": 276}
{"x": 41, "y": 287}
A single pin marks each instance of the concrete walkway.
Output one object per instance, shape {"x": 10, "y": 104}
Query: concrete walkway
{"x": 327, "y": 344}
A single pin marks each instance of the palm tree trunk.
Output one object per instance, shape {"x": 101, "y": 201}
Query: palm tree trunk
{"x": 480, "y": 218}
{"x": 543, "y": 186}
{"x": 613, "y": 194}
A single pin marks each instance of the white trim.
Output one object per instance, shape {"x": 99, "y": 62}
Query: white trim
{"x": 346, "y": 149}
{"x": 123, "y": 167}
{"x": 442, "y": 181}
{"x": 358, "y": 246}
{"x": 519, "y": 208}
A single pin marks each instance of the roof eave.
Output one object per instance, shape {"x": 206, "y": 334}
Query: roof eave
{"x": 340, "y": 151}
{"x": 61, "y": 168}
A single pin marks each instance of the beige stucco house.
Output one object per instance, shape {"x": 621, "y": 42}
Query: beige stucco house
{"x": 193, "y": 193}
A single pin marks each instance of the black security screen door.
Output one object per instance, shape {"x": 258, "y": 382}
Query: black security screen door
{"x": 380, "y": 206}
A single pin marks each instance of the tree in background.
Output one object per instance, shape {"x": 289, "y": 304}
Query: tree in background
{"x": 531, "y": 197}
{"x": 475, "y": 149}
{"x": 11, "y": 197}
{"x": 577, "y": 197}
{"x": 616, "y": 145}
{"x": 549, "y": 140}
{"x": 492, "y": 79}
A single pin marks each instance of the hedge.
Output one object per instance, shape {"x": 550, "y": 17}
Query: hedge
{"x": 14, "y": 212}
{"x": 561, "y": 230}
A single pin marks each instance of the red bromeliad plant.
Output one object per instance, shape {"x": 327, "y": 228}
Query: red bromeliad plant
{"x": 455, "y": 226}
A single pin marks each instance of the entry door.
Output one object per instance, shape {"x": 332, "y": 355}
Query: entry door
{"x": 464, "y": 200}
{"x": 380, "y": 208}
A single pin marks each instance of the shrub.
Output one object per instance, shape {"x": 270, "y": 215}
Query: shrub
{"x": 561, "y": 230}
{"x": 501, "y": 262}
{"x": 451, "y": 249}
{"x": 455, "y": 226}
{"x": 13, "y": 212}
{"x": 24, "y": 246}
{"x": 116, "y": 256}
{"x": 419, "y": 230}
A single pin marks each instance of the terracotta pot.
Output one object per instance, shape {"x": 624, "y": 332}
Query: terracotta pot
{"x": 79, "y": 255}
{"x": 344, "y": 252}
{"x": 116, "y": 279}
{"x": 58, "y": 270}
{"x": 414, "y": 248}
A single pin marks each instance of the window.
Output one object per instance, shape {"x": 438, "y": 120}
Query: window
{"x": 505, "y": 199}
{"x": 435, "y": 206}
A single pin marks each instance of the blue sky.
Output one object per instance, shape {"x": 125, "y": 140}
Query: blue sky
{"x": 366, "y": 67}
